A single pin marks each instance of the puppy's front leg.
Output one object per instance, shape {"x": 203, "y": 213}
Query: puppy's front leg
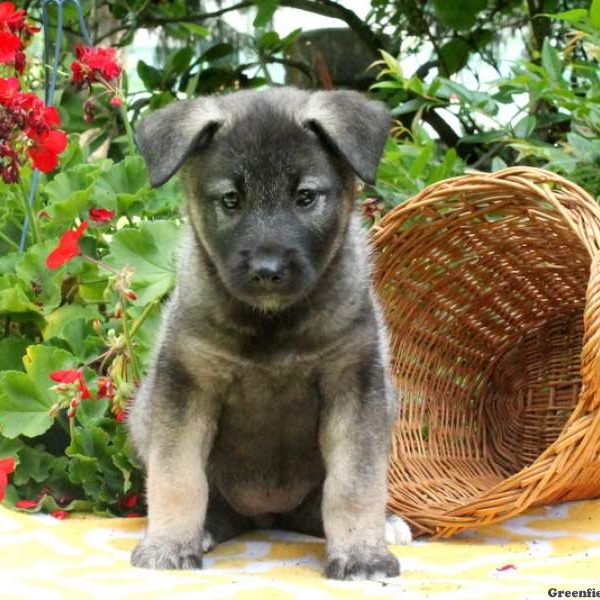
{"x": 182, "y": 430}
{"x": 355, "y": 439}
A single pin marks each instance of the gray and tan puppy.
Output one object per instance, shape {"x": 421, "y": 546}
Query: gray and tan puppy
{"x": 268, "y": 401}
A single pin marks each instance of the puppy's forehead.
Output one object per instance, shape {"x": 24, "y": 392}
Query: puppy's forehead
{"x": 246, "y": 105}
{"x": 263, "y": 136}
{"x": 264, "y": 121}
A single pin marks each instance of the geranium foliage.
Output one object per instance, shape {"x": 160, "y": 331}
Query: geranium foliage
{"x": 80, "y": 303}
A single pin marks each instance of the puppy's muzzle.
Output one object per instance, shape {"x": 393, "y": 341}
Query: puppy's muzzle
{"x": 268, "y": 271}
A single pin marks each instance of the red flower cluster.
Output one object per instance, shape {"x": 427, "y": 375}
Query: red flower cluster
{"x": 68, "y": 247}
{"x": 72, "y": 376}
{"x": 120, "y": 414}
{"x": 7, "y": 466}
{"x": 130, "y": 500}
{"x": 15, "y": 33}
{"x": 101, "y": 215}
{"x": 106, "y": 388}
{"x": 27, "y": 127}
{"x": 94, "y": 65}
{"x": 71, "y": 396}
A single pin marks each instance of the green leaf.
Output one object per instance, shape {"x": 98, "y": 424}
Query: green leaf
{"x": 10, "y": 447}
{"x": 69, "y": 193}
{"x": 595, "y": 13}
{"x": 34, "y": 463}
{"x": 575, "y": 16}
{"x": 49, "y": 505}
{"x": 128, "y": 176}
{"x": 266, "y": 10}
{"x": 91, "y": 412}
{"x": 46, "y": 282}
{"x": 180, "y": 60}
{"x": 13, "y": 298}
{"x": 11, "y": 352}
{"x": 454, "y": 55}
{"x": 217, "y": 51}
{"x": 150, "y": 251}
{"x": 120, "y": 461}
{"x": 269, "y": 41}
{"x": 551, "y": 61}
{"x": 150, "y": 76}
{"x": 57, "y": 320}
{"x": 25, "y": 398}
{"x": 92, "y": 450}
{"x": 410, "y": 106}
{"x": 123, "y": 183}
{"x": 458, "y": 15}
{"x": 195, "y": 29}
{"x": 524, "y": 128}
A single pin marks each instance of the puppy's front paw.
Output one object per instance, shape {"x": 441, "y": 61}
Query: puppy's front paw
{"x": 163, "y": 554}
{"x": 363, "y": 565}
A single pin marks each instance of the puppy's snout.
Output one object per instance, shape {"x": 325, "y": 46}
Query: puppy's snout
{"x": 267, "y": 270}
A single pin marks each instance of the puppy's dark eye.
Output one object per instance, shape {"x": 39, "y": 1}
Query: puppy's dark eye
{"x": 306, "y": 198}
{"x": 230, "y": 200}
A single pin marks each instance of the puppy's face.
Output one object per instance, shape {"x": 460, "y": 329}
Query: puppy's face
{"x": 268, "y": 203}
{"x": 269, "y": 180}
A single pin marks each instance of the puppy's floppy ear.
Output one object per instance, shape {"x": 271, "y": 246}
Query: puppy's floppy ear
{"x": 166, "y": 137}
{"x": 352, "y": 125}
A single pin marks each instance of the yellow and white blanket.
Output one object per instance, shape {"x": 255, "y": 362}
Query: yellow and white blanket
{"x": 556, "y": 547}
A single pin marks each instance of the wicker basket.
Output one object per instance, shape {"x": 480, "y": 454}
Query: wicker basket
{"x": 491, "y": 287}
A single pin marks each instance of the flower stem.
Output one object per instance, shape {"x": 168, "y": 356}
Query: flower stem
{"x": 72, "y": 428}
{"x": 99, "y": 263}
{"x": 140, "y": 320}
{"x": 37, "y": 234}
{"x": 128, "y": 130}
{"x": 10, "y": 242}
{"x": 128, "y": 342}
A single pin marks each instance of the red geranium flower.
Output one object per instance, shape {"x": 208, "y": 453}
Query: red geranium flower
{"x": 8, "y": 88}
{"x": 7, "y": 465}
{"x": 72, "y": 376}
{"x": 101, "y": 215}
{"x": 130, "y": 500}
{"x": 68, "y": 247}
{"x": 27, "y": 128}
{"x": 60, "y": 514}
{"x": 106, "y": 387}
{"x": 10, "y": 17}
{"x": 94, "y": 65}
{"x": 13, "y": 20}
{"x": 26, "y": 503}
{"x": 120, "y": 415}
{"x": 47, "y": 146}
{"x": 10, "y": 44}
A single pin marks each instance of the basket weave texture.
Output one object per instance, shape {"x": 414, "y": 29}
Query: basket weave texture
{"x": 491, "y": 288}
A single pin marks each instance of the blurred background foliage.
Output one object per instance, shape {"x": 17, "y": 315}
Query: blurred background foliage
{"x": 473, "y": 84}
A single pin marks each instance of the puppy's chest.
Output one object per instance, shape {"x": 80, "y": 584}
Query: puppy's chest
{"x": 266, "y": 454}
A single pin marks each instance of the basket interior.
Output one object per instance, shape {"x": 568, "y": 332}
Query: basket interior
{"x": 484, "y": 297}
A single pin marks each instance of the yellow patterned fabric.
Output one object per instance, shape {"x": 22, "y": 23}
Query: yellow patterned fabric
{"x": 555, "y": 547}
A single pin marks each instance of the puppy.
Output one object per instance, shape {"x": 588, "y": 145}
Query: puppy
{"x": 268, "y": 402}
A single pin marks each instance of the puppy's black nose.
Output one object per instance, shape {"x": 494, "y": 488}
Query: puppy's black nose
{"x": 267, "y": 270}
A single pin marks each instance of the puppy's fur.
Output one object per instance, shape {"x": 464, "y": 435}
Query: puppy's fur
{"x": 268, "y": 401}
